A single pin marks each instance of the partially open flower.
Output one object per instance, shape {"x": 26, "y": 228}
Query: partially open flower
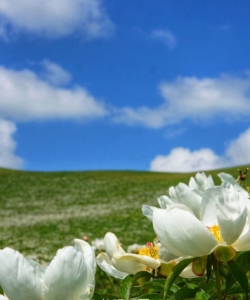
{"x": 70, "y": 275}
{"x": 117, "y": 263}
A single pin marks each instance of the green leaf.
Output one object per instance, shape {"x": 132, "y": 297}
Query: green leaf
{"x": 149, "y": 297}
{"x": 201, "y": 295}
{"x": 125, "y": 287}
{"x": 103, "y": 297}
{"x": 239, "y": 275}
{"x": 141, "y": 277}
{"x": 208, "y": 287}
{"x": 174, "y": 274}
{"x": 236, "y": 290}
{"x": 185, "y": 293}
{"x": 243, "y": 259}
{"x": 138, "y": 280}
{"x": 156, "y": 285}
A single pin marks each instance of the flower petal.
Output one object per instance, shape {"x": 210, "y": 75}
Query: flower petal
{"x": 164, "y": 201}
{"x": 188, "y": 273}
{"x": 243, "y": 242}
{"x": 112, "y": 245}
{"x": 67, "y": 276}
{"x": 105, "y": 264}
{"x": 209, "y": 206}
{"x": 201, "y": 183}
{"x": 133, "y": 263}
{"x": 165, "y": 256}
{"x": 224, "y": 177}
{"x": 181, "y": 233}
{"x": 19, "y": 278}
{"x": 148, "y": 211}
{"x": 231, "y": 212}
{"x": 89, "y": 258}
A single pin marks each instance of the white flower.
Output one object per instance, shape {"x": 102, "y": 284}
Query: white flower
{"x": 193, "y": 227}
{"x": 134, "y": 248}
{"x": 189, "y": 195}
{"x": 117, "y": 263}
{"x": 69, "y": 276}
{"x": 97, "y": 244}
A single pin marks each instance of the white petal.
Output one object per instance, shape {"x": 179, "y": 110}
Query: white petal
{"x": 3, "y": 298}
{"x": 227, "y": 178}
{"x": 209, "y": 206}
{"x": 67, "y": 275}
{"x": 224, "y": 177}
{"x": 181, "y": 233}
{"x": 20, "y": 279}
{"x": 165, "y": 256}
{"x": 201, "y": 183}
{"x": 164, "y": 201}
{"x": 188, "y": 273}
{"x": 148, "y": 211}
{"x": 133, "y": 263}
{"x": 243, "y": 243}
{"x": 191, "y": 200}
{"x": 89, "y": 258}
{"x": 231, "y": 213}
{"x": 105, "y": 264}
{"x": 112, "y": 244}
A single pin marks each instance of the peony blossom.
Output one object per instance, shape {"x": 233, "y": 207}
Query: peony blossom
{"x": 69, "y": 276}
{"x": 97, "y": 244}
{"x": 196, "y": 219}
{"x": 117, "y": 263}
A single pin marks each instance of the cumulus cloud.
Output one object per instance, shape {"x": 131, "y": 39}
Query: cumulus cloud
{"x": 237, "y": 151}
{"x": 184, "y": 160}
{"x": 54, "y": 18}
{"x": 195, "y": 99}
{"x": 8, "y": 159}
{"x": 165, "y": 36}
{"x": 25, "y": 96}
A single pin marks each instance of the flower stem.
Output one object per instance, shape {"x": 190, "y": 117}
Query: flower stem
{"x": 217, "y": 278}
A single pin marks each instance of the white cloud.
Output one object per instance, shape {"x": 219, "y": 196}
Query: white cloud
{"x": 165, "y": 36}
{"x": 54, "y": 73}
{"x": 195, "y": 99}
{"x": 55, "y": 18}
{"x": 183, "y": 160}
{"x": 7, "y": 146}
{"x": 24, "y": 96}
{"x": 238, "y": 151}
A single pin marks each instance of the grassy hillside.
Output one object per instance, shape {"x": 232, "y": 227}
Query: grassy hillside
{"x": 41, "y": 212}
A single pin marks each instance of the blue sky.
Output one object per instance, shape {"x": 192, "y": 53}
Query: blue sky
{"x": 116, "y": 85}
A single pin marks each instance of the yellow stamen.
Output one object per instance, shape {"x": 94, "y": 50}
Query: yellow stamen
{"x": 150, "y": 250}
{"x": 215, "y": 230}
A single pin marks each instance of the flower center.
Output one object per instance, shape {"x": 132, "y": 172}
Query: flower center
{"x": 150, "y": 250}
{"x": 215, "y": 230}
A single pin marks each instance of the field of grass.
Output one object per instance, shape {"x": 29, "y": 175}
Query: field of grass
{"x": 41, "y": 212}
